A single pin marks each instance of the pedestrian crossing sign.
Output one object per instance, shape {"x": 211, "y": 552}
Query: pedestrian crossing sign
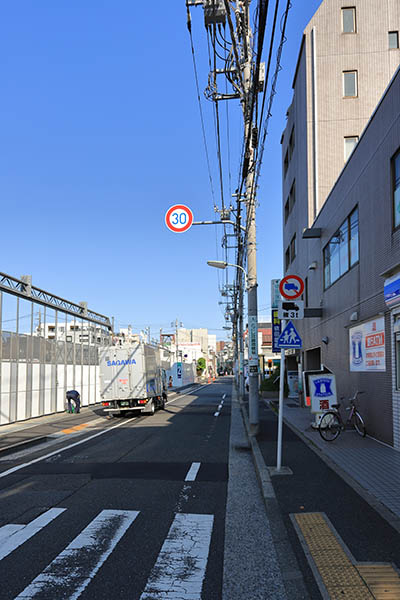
{"x": 289, "y": 337}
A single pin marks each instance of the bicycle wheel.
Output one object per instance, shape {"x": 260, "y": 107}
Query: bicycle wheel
{"x": 359, "y": 424}
{"x": 329, "y": 426}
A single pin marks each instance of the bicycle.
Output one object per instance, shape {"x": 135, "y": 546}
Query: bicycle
{"x": 331, "y": 422}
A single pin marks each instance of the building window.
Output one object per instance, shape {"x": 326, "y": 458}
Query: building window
{"x": 393, "y": 40}
{"x": 287, "y": 209}
{"x": 292, "y": 195}
{"x": 287, "y": 259}
{"x": 291, "y": 143}
{"x": 349, "y": 20}
{"x": 396, "y": 187}
{"x": 293, "y": 248}
{"x": 290, "y": 201}
{"x": 286, "y": 163}
{"x": 341, "y": 252}
{"x": 349, "y": 144}
{"x": 350, "y": 84}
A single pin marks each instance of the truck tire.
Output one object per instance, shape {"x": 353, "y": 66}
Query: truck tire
{"x": 151, "y": 410}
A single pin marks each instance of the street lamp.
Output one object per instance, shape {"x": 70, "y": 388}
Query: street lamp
{"x": 221, "y": 264}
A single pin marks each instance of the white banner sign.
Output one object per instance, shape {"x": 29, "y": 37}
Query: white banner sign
{"x": 253, "y": 345}
{"x": 367, "y": 346}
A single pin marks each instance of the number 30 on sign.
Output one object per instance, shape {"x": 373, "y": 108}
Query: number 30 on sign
{"x": 179, "y": 218}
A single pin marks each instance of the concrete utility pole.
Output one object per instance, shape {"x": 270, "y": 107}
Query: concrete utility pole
{"x": 252, "y": 307}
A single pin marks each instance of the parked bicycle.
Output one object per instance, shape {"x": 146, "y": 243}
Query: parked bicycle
{"x": 331, "y": 423}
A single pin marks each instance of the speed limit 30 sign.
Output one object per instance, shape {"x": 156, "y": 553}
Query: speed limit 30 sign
{"x": 179, "y": 218}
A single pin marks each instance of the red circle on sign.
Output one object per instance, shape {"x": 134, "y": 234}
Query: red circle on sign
{"x": 170, "y": 214}
{"x": 287, "y": 281}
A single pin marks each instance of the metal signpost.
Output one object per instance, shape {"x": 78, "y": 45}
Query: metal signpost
{"x": 179, "y": 218}
{"x": 291, "y": 287}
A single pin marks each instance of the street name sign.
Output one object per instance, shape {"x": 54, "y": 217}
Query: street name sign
{"x": 289, "y": 337}
{"x": 293, "y": 309}
{"x": 179, "y": 218}
{"x": 291, "y": 287}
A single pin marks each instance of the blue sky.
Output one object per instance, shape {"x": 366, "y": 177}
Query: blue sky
{"x": 101, "y": 134}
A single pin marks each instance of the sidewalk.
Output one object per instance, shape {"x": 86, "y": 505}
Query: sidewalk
{"x": 372, "y": 465}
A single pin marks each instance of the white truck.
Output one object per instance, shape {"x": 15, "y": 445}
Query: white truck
{"x": 132, "y": 379}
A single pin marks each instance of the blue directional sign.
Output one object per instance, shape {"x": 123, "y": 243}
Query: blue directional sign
{"x": 289, "y": 337}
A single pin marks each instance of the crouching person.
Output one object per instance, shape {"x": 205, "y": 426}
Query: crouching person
{"x": 74, "y": 396}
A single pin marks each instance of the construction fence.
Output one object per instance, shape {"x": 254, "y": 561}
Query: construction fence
{"x": 48, "y": 345}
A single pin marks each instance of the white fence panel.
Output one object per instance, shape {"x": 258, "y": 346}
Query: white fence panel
{"x": 5, "y": 394}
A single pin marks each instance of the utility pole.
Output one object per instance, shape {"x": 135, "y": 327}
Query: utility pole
{"x": 246, "y": 86}
{"x": 249, "y": 165}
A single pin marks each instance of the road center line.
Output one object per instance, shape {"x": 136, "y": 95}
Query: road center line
{"x": 216, "y": 414}
{"x": 72, "y": 570}
{"x": 223, "y": 396}
{"x": 192, "y": 473}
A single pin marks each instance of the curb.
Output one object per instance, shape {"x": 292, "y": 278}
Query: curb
{"x": 381, "y": 509}
{"x": 291, "y": 574}
{"x": 22, "y": 445}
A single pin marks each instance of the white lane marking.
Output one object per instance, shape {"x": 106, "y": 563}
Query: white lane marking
{"x": 183, "y": 395}
{"x": 220, "y": 406}
{"x": 216, "y": 414}
{"x": 72, "y": 570}
{"x": 192, "y": 473}
{"x": 90, "y": 437}
{"x": 223, "y": 396}
{"x": 181, "y": 565}
{"x": 22, "y": 534}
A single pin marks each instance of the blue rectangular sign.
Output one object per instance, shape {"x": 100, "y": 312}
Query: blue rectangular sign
{"x": 276, "y": 330}
{"x": 391, "y": 290}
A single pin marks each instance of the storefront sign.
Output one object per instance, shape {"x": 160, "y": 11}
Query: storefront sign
{"x": 367, "y": 346}
{"x": 322, "y": 391}
{"x": 391, "y": 290}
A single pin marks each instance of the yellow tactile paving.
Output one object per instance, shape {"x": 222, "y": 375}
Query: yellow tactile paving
{"x": 76, "y": 428}
{"x": 338, "y": 574}
{"x": 383, "y": 580}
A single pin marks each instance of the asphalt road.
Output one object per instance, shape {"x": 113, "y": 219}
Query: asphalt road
{"x": 113, "y": 516}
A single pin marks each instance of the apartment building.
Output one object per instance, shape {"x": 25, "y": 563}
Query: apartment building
{"x": 348, "y": 54}
{"x": 341, "y": 203}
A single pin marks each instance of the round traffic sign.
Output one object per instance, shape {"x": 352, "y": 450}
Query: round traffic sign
{"x": 179, "y": 218}
{"x": 291, "y": 287}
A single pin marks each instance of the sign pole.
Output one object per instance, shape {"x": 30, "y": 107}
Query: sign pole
{"x": 280, "y": 414}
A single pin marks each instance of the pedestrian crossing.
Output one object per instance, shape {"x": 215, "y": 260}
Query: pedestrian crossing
{"x": 178, "y": 573}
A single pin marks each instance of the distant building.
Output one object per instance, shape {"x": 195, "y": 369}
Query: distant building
{"x": 75, "y": 332}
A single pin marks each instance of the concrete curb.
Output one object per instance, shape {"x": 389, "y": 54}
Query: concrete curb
{"x": 291, "y": 573}
{"x": 23, "y": 445}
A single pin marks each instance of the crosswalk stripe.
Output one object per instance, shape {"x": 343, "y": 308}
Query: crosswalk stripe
{"x": 192, "y": 473}
{"x": 72, "y": 570}
{"x": 181, "y": 565}
{"x": 18, "y": 534}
